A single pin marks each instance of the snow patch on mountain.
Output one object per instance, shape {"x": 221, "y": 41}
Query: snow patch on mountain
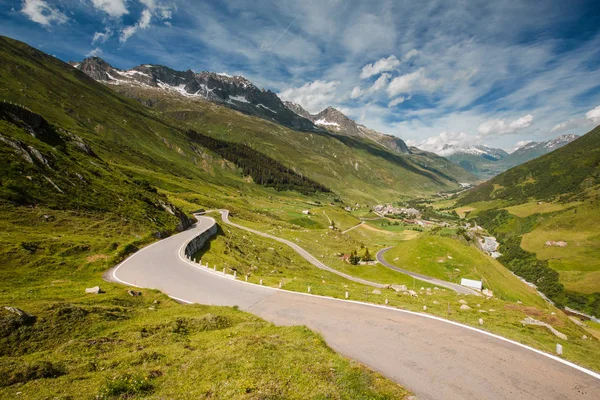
{"x": 240, "y": 99}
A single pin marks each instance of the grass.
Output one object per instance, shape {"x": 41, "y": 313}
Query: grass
{"x": 153, "y": 346}
{"x": 111, "y": 344}
{"x": 579, "y": 262}
{"x": 472, "y": 209}
{"x": 114, "y": 344}
{"x": 505, "y": 319}
{"x": 531, "y": 208}
{"x": 451, "y": 259}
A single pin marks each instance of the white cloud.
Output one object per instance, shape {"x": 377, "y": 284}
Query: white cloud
{"x": 501, "y": 127}
{"x": 382, "y": 65}
{"x": 356, "y": 92}
{"x": 160, "y": 12}
{"x": 114, "y": 8}
{"x": 101, "y": 37}
{"x": 397, "y": 101}
{"x": 95, "y": 52}
{"x": 380, "y": 83}
{"x": 570, "y": 124}
{"x": 447, "y": 143}
{"x": 412, "y": 53}
{"x": 414, "y": 81}
{"x": 593, "y": 115}
{"x": 313, "y": 96}
{"x": 41, "y": 12}
{"x": 145, "y": 19}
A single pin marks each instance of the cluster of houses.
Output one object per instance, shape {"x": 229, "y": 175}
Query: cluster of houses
{"x": 384, "y": 209}
{"x": 490, "y": 245}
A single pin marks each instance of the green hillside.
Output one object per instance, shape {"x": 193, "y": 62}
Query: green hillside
{"x": 568, "y": 173}
{"x": 552, "y": 199}
{"x": 354, "y": 168}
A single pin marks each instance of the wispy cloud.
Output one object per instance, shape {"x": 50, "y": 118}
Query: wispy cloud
{"x": 413, "y": 69}
{"x": 41, "y": 12}
{"x": 114, "y": 8}
{"x": 313, "y": 96}
{"x": 101, "y": 37}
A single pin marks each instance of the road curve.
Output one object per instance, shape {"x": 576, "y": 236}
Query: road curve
{"x": 425, "y": 278}
{"x": 434, "y": 358}
{"x": 303, "y": 253}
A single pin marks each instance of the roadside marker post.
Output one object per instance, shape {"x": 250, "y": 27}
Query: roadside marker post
{"x": 309, "y": 289}
{"x": 559, "y": 349}
{"x": 246, "y": 278}
{"x": 224, "y": 271}
{"x": 215, "y": 267}
{"x": 386, "y": 301}
{"x": 346, "y": 294}
{"x": 234, "y": 274}
{"x": 261, "y": 282}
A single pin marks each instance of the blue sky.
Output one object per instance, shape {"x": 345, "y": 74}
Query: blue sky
{"x": 457, "y": 72}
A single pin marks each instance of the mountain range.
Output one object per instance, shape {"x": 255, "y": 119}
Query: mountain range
{"x": 153, "y": 84}
{"x": 486, "y": 162}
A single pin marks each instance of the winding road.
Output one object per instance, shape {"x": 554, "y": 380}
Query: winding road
{"x": 438, "y": 282}
{"x": 435, "y": 358}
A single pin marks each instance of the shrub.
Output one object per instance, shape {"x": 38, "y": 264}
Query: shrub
{"x": 125, "y": 385}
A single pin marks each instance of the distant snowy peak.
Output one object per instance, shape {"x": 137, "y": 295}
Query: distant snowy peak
{"x": 482, "y": 151}
{"x": 235, "y": 92}
{"x": 546, "y": 146}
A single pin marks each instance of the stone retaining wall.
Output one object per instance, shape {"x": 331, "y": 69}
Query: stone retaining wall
{"x": 198, "y": 242}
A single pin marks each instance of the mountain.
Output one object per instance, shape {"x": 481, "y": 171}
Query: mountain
{"x": 483, "y": 161}
{"x": 338, "y": 123}
{"x": 568, "y": 172}
{"x": 487, "y": 162}
{"x": 149, "y": 140}
{"x": 535, "y": 149}
{"x": 148, "y": 83}
{"x": 335, "y": 121}
{"x": 232, "y": 91}
{"x": 545, "y": 214}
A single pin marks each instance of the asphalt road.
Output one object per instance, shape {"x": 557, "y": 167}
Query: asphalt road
{"x": 436, "y": 359}
{"x": 303, "y": 253}
{"x": 438, "y": 282}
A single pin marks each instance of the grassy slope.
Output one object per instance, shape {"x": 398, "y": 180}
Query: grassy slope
{"x": 567, "y": 182}
{"x": 505, "y": 319}
{"x": 451, "y": 259}
{"x": 74, "y": 247}
{"x": 564, "y": 173}
{"x": 579, "y": 262}
{"x": 52, "y": 251}
{"x": 354, "y": 168}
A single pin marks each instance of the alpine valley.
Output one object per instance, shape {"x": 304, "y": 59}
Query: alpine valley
{"x": 102, "y": 165}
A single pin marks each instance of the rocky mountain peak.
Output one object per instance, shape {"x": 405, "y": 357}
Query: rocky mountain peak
{"x": 95, "y": 67}
{"x": 336, "y": 121}
{"x": 235, "y": 92}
